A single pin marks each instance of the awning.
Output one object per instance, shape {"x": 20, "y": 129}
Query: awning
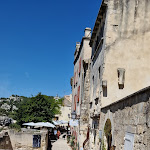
{"x": 40, "y": 124}
{"x": 73, "y": 123}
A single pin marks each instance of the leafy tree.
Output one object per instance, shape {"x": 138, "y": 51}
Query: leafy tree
{"x": 40, "y": 108}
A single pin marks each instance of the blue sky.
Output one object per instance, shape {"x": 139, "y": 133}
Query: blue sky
{"x": 37, "y": 43}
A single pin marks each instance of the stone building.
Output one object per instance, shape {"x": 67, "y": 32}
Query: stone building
{"x": 119, "y": 67}
{"x": 80, "y": 87}
{"x": 65, "y": 109}
{"x": 29, "y": 139}
{"x": 125, "y": 124}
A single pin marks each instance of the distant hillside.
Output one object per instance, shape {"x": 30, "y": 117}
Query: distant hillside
{"x": 10, "y": 104}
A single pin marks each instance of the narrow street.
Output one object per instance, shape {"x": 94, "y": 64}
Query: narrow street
{"x": 61, "y": 144}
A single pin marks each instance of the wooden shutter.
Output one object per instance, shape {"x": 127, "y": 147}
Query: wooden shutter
{"x": 78, "y": 94}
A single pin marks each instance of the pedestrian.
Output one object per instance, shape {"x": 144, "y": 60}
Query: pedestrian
{"x": 49, "y": 141}
{"x": 58, "y": 134}
{"x": 55, "y": 133}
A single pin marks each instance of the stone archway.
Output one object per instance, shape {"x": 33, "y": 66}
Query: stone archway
{"x": 107, "y": 135}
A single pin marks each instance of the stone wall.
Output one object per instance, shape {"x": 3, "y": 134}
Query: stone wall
{"x": 129, "y": 115}
{"x": 24, "y": 140}
{"x": 127, "y": 47}
{"x": 84, "y": 116}
{"x": 5, "y": 143}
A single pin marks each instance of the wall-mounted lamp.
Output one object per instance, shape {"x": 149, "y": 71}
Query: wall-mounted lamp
{"x": 73, "y": 115}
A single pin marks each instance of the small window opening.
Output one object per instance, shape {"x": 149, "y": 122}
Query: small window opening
{"x": 36, "y": 140}
{"x": 104, "y": 86}
{"x": 90, "y": 105}
{"x": 99, "y": 71}
{"x": 121, "y": 77}
{"x": 96, "y": 101}
{"x": 104, "y": 91}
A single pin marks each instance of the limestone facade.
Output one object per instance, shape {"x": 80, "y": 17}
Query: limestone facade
{"x": 119, "y": 61}
{"x": 23, "y": 140}
{"x": 80, "y": 86}
{"x": 65, "y": 109}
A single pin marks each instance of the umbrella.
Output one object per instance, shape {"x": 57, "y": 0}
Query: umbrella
{"x": 56, "y": 123}
{"x": 29, "y": 124}
{"x": 63, "y": 122}
{"x": 73, "y": 123}
{"x": 50, "y": 125}
{"x": 44, "y": 124}
{"x": 40, "y": 124}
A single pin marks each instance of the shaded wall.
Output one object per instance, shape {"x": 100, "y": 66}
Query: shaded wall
{"x": 129, "y": 115}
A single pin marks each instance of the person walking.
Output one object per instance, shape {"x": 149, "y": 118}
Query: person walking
{"x": 49, "y": 141}
{"x": 58, "y": 134}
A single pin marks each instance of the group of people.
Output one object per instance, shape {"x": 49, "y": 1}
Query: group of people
{"x": 54, "y": 134}
{"x": 57, "y": 133}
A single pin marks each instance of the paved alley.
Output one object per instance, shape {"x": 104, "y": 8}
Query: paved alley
{"x": 60, "y": 144}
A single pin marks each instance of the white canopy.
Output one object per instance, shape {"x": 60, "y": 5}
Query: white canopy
{"x": 28, "y": 124}
{"x": 59, "y": 122}
{"x": 63, "y": 122}
{"x": 40, "y": 124}
{"x": 44, "y": 124}
{"x": 73, "y": 123}
{"x": 56, "y": 123}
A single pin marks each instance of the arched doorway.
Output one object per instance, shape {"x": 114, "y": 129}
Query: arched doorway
{"x": 107, "y": 135}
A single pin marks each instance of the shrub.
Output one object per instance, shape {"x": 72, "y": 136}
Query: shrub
{"x": 68, "y": 139}
{"x": 15, "y": 126}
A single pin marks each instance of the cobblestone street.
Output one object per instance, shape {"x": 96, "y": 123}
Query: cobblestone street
{"x": 61, "y": 144}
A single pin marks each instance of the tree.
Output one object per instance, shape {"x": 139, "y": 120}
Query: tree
{"x": 40, "y": 108}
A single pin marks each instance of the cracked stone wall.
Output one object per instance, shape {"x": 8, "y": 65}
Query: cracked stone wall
{"x": 132, "y": 115}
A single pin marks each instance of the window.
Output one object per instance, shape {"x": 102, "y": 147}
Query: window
{"x": 90, "y": 105}
{"x": 104, "y": 86}
{"x": 99, "y": 72}
{"x": 93, "y": 84}
{"x": 36, "y": 140}
{"x": 96, "y": 101}
{"x": 121, "y": 77}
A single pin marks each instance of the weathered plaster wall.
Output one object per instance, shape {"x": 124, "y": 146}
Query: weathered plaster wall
{"x": 127, "y": 46}
{"x": 84, "y": 116}
{"x": 24, "y": 140}
{"x": 65, "y": 111}
{"x": 81, "y": 79}
{"x": 132, "y": 115}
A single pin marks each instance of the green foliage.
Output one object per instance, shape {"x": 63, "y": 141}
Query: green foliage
{"x": 1, "y": 129}
{"x": 107, "y": 128}
{"x": 15, "y": 126}
{"x": 103, "y": 145}
{"x": 68, "y": 139}
{"x": 60, "y": 101}
{"x": 40, "y": 108}
{"x": 72, "y": 143}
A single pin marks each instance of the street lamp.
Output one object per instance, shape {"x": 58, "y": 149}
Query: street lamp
{"x": 73, "y": 115}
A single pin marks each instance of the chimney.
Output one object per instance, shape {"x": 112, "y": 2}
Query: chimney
{"x": 77, "y": 45}
{"x": 87, "y": 32}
